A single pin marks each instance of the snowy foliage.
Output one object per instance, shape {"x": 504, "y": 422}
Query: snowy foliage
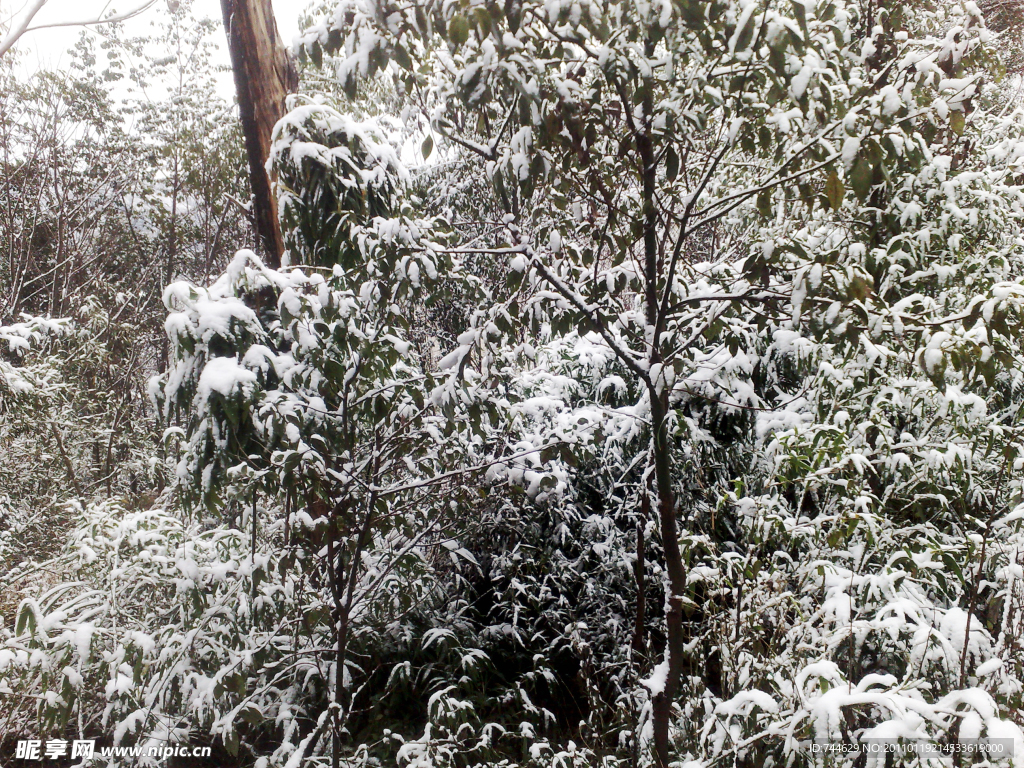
{"x": 669, "y": 414}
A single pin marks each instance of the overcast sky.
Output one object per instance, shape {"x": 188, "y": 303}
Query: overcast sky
{"x": 46, "y": 47}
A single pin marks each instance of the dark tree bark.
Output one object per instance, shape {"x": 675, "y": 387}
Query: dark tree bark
{"x": 264, "y": 76}
{"x": 661, "y": 704}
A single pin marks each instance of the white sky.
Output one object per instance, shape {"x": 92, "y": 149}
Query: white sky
{"x": 47, "y": 47}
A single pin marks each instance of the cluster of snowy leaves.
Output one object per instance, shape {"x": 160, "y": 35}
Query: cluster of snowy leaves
{"x": 866, "y": 635}
{"x": 20, "y": 379}
{"x": 159, "y": 628}
{"x": 57, "y": 442}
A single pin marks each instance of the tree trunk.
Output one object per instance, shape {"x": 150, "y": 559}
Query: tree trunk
{"x": 661, "y": 709}
{"x": 264, "y": 75}
{"x": 661, "y": 705}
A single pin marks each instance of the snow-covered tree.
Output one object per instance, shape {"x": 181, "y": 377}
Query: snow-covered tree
{"x": 746, "y": 205}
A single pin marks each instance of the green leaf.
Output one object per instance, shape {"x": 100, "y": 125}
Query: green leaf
{"x": 513, "y": 280}
{"x": 458, "y": 29}
{"x": 834, "y": 191}
{"x": 800, "y": 13}
{"x": 951, "y": 563}
{"x": 251, "y": 714}
{"x": 421, "y": 19}
{"x": 860, "y": 178}
{"x": 513, "y": 15}
{"x": 671, "y": 164}
{"x": 872, "y": 151}
{"x": 484, "y": 23}
{"x": 351, "y": 86}
{"x": 859, "y": 288}
{"x": 745, "y": 34}
{"x": 402, "y": 57}
{"x": 777, "y": 59}
{"x": 231, "y": 742}
{"x": 427, "y": 147}
{"x": 527, "y": 186}
{"x": 764, "y": 203}
{"x": 692, "y": 12}
{"x": 565, "y": 451}
{"x": 537, "y": 166}
{"x": 26, "y": 619}
{"x": 957, "y": 122}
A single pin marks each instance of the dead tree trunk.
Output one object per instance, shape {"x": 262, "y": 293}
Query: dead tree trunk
{"x": 264, "y": 75}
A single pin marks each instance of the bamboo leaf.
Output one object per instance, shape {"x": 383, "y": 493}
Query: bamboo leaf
{"x": 834, "y": 191}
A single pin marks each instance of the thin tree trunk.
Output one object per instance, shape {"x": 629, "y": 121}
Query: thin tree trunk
{"x": 661, "y": 705}
{"x": 264, "y": 75}
{"x": 674, "y": 648}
